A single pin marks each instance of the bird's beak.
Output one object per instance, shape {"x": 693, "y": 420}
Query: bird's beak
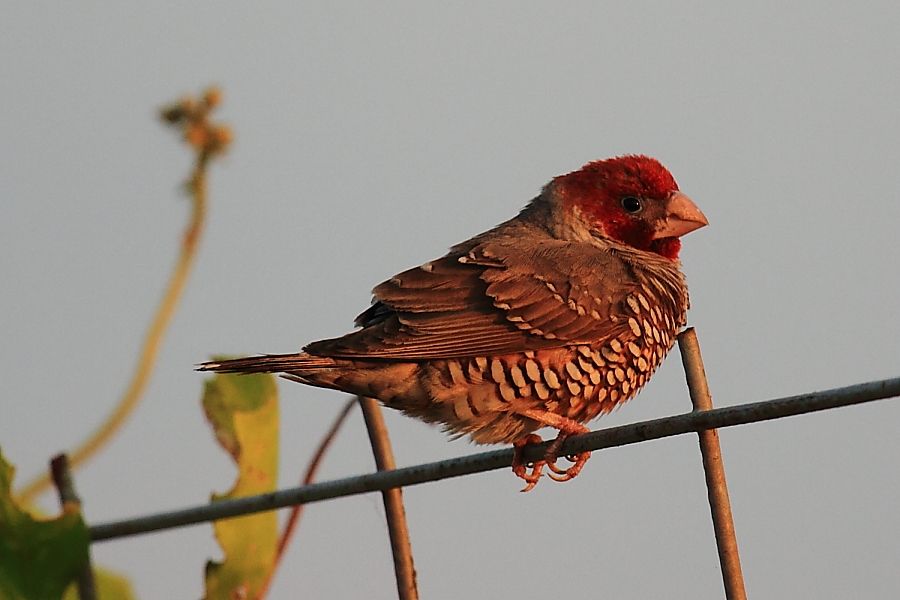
{"x": 682, "y": 217}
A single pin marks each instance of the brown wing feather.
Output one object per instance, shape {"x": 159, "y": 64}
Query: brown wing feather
{"x": 567, "y": 291}
{"x": 496, "y": 299}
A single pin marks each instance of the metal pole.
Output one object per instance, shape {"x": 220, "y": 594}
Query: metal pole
{"x": 404, "y": 570}
{"x": 714, "y": 469}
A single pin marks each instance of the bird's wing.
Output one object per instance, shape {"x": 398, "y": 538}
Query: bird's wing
{"x": 498, "y": 298}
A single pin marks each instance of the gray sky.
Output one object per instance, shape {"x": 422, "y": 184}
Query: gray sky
{"x": 372, "y": 136}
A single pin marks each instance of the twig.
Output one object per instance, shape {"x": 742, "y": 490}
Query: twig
{"x": 713, "y": 468}
{"x": 62, "y": 478}
{"x": 500, "y": 459}
{"x": 213, "y": 140}
{"x": 404, "y": 570}
{"x": 294, "y": 518}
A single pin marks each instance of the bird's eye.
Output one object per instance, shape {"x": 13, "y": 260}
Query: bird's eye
{"x": 632, "y": 204}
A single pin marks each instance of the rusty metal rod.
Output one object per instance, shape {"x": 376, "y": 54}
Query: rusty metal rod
{"x": 395, "y": 514}
{"x": 713, "y": 469}
{"x": 501, "y": 459}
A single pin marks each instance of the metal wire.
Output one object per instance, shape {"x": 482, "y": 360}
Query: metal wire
{"x": 498, "y": 459}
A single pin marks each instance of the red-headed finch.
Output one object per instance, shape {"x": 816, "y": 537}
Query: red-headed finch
{"x": 549, "y": 319}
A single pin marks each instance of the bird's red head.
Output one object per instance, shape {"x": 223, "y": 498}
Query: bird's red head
{"x": 632, "y": 199}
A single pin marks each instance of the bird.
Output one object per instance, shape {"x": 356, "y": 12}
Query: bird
{"x": 550, "y": 319}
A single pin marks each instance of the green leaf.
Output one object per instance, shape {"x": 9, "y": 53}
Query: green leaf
{"x": 243, "y": 411}
{"x": 38, "y": 558}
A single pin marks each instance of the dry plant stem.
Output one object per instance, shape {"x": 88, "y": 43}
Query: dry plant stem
{"x": 395, "y": 514}
{"x": 294, "y": 518}
{"x": 62, "y": 478}
{"x": 714, "y": 469}
{"x": 152, "y": 340}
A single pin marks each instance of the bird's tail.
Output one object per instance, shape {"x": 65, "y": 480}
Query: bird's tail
{"x": 270, "y": 363}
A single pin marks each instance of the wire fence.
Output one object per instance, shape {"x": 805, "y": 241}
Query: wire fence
{"x": 703, "y": 420}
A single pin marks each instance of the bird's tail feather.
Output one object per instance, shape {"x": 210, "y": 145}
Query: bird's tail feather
{"x": 269, "y": 363}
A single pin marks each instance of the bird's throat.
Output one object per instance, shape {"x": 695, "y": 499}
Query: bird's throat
{"x": 668, "y": 247}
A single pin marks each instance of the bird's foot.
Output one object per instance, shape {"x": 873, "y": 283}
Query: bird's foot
{"x": 560, "y": 474}
{"x": 529, "y": 472}
{"x": 567, "y": 428}
{"x": 552, "y": 454}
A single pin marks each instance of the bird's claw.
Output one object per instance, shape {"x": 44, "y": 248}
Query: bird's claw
{"x": 559, "y": 474}
{"x": 558, "y": 470}
{"x": 531, "y": 478}
{"x": 531, "y": 472}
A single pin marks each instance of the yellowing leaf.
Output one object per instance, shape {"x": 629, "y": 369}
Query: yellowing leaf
{"x": 243, "y": 411}
{"x": 38, "y": 558}
{"x": 110, "y": 586}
